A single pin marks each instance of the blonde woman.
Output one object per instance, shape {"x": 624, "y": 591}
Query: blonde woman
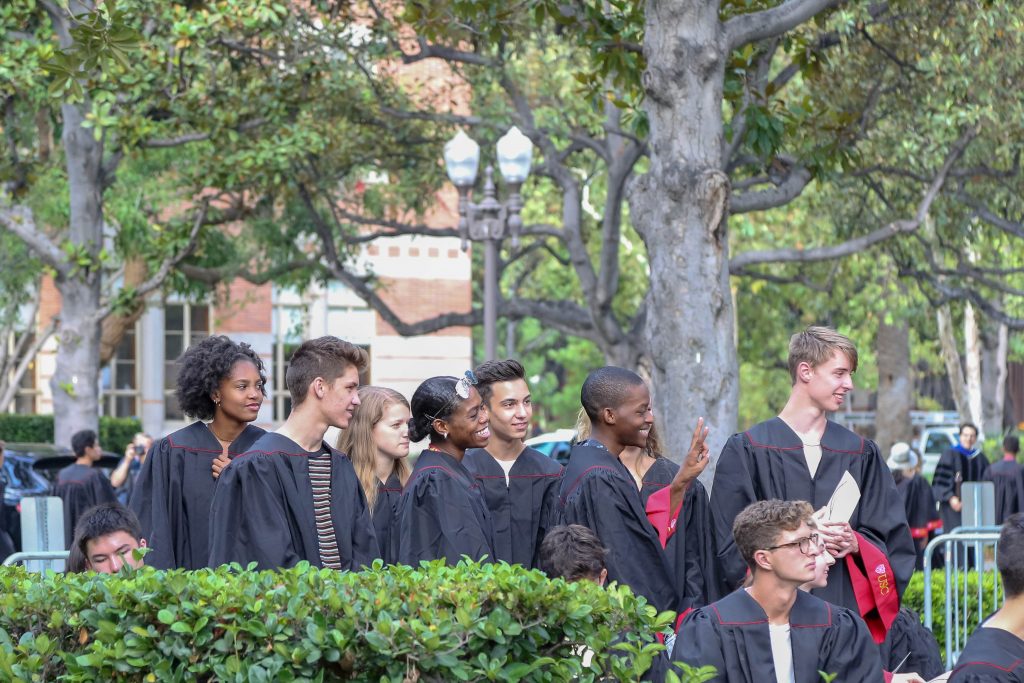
{"x": 377, "y": 441}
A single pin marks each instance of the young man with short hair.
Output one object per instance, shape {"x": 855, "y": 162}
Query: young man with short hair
{"x": 81, "y": 486}
{"x": 771, "y": 628}
{"x": 104, "y": 540}
{"x": 574, "y": 553}
{"x": 1008, "y": 480}
{"x": 962, "y": 463}
{"x": 802, "y": 455}
{"x": 291, "y": 496}
{"x": 598, "y": 492}
{"x": 995, "y": 651}
{"x": 520, "y": 484}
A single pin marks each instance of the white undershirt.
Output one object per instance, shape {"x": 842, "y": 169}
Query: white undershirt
{"x": 812, "y": 450}
{"x": 782, "y": 651}
{"x": 505, "y": 465}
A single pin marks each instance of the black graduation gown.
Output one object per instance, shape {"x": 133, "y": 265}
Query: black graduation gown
{"x": 1008, "y": 481}
{"x": 384, "y": 512}
{"x": 946, "y": 484}
{"x": 522, "y": 510}
{"x": 262, "y": 509}
{"x": 172, "y": 494}
{"x": 732, "y": 635}
{"x": 768, "y": 462}
{"x": 441, "y": 514}
{"x": 691, "y": 550}
{"x": 908, "y": 635}
{"x": 991, "y": 655}
{"x": 599, "y": 493}
{"x": 81, "y": 487}
{"x": 919, "y": 503}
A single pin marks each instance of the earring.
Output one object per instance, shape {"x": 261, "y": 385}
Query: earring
{"x": 444, "y": 435}
{"x": 216, "y": 402}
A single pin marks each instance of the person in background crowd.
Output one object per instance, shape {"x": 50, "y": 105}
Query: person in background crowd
{"x": 995, "y": 651}
{"x": 80, "y": 485}
{"x": 290, "y": 496}
{"x": 441, "y": 513}
{"x": 1007, "y": 476}
{"x": 801, "y": 455}
{"x": 962, "y": 463}
{"x": 520, "y": 484}
{"x": 104, "y": 541}
{"x": 124, "y": 475}
{"x": 918, "y": 501}
{"x": 771, "y": 630}
{"x": 221, "y": 384}
{"x": 377, "y": 442}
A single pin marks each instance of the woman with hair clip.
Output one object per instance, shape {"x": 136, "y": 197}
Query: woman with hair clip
{"x": 221, "y": 384}
{"x": 441, "y": 513}
{"x": 377, "y": 443}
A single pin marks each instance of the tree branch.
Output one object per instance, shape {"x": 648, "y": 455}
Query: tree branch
{"x": 986, "y": 214}
{"x": 784, "y": 192}
{"x": 744, "y": 260}
{"x": 750, "y": 28}
{"x": 161, "y": 143}
{"x": 19, "y": 220}
{"x": 448, "y": 54}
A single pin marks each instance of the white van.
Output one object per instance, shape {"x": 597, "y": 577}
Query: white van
{"x": 936, "y": 440}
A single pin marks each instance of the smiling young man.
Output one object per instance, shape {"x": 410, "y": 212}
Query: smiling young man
{"x": 801, "y": 455}
{"x": 520, "y": 484}
{"x": 292, "y": 497}
{"x": 771, "y": 630}
{"x": 962, "y": 463}
{"x": 598, "y": 492}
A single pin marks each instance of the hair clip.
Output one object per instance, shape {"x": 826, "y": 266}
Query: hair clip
{"x": 463, "y": 386}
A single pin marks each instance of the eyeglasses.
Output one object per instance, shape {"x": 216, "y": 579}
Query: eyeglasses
{"x": 804, "y": 544}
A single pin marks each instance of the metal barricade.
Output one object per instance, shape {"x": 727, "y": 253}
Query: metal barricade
{"x": 39, "y": 555}
{"x": 964, "y": 608}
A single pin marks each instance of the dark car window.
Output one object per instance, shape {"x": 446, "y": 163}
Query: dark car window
{"x": 19, "y": 474}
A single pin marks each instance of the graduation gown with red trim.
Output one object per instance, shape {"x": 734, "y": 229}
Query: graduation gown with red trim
{"x": 523, "y": 509}
{"x": 768, "y": 462}
{"x": 174, "y": 489}
{"x": 732, "y": 635}
{"x": 441, "y": 514}
{"x": 991, "y": 655}
{"x": 262, "y": 509}
{"x": 598, "y": 492}
{"x": 81, "y": 487}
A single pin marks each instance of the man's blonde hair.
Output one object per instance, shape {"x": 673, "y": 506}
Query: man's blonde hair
{"x": 816, "y": 345}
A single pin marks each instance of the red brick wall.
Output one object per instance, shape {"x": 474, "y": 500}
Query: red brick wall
{"x": 248, "y": 308}
{"x": 415, "y": 299}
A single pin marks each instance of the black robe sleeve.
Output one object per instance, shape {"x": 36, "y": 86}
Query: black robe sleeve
{"x": 943, "y": 481}
{"x": 733, "y": 490}
{"x": 384, "y": 512}
{"x": 907, "y": 635}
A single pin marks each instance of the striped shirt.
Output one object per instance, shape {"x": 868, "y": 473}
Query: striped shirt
{"x": 320, "y": 478}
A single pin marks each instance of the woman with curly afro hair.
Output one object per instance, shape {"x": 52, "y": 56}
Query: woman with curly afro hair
{"x": 221, "y": 383}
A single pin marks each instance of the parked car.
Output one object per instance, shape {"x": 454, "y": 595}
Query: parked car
{"x": 30, "y": 469}
{"x": 935, "y": 440}
{"x": 555, "y": 445}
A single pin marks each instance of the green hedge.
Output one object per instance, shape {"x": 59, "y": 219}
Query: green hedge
{"x": 913, "y": 598}
{"x": 115, "y": 432}
{"x": 437, "y": 623}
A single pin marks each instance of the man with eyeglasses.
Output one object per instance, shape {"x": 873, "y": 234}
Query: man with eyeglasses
{"x": 771, "y": 627}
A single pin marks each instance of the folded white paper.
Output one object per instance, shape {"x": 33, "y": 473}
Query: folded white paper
{"x": 843, "y": 501}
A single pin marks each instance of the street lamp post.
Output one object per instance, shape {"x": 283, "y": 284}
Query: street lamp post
{"x": 489, "y": 220}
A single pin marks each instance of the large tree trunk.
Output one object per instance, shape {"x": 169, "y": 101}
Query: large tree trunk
{"x": 895, "y": 385}
{"x": 75, "y": 380}
{"x": 972, "y": 361}
{"x": 679, "y": 208}
{"x": 994, "y": 348}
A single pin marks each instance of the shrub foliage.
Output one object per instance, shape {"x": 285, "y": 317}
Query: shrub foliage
{"x": 431, "y": 623}
{"x": 114, "y": 432}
